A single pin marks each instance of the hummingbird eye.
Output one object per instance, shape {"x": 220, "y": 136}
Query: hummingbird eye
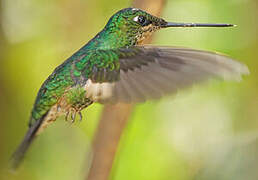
{"x": 141, "y": 20}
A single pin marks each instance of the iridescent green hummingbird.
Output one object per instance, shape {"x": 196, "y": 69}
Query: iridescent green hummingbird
{"x": 112, "y": 68}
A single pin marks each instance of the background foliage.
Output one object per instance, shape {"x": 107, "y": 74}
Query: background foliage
{"x": 206, "y": 132}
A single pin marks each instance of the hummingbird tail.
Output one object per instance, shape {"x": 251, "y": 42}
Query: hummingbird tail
{"x": 19, "y": 154}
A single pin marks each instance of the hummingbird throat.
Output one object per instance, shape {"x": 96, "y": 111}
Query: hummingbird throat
{"x": 145, "y": 33}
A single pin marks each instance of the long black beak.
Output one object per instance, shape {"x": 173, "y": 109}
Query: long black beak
{"x": 172, "y": 24}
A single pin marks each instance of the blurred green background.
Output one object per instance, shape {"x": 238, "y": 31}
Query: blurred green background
{"x": 206, "y": 132}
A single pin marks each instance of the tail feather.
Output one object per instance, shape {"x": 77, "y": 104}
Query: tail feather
{"x": 19, "y": 154}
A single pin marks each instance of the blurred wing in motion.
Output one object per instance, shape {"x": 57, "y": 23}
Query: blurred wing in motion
{"x": 149, "y": 72}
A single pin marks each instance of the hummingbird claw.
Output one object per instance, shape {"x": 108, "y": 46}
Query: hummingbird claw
{"x": 73, "y": 116}
{"x": 66, "y": 116}
{"x": 80, "y": 114}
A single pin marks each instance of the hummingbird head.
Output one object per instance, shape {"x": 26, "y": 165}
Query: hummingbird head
{"x": 130, "y": 26}
{"x": 134, "y": 24}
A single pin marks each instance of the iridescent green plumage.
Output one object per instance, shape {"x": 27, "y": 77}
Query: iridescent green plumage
{"x": 89, "y": 59}
{"x": 112, "y": 68}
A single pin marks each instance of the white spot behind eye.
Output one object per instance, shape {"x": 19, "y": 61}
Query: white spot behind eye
{"x": 135, "y": 9}
{"x": 136, "y": 18}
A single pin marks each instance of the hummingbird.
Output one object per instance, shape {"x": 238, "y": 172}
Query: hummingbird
{"x": 113, "y": 67}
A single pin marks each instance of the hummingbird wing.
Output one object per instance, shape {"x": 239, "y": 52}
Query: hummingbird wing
{"x": 149, "y": 72}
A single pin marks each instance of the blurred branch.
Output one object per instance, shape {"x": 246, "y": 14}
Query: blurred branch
{"x": 115, "y": 117}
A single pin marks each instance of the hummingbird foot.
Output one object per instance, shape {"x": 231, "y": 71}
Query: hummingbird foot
{"x": 71, "y": 115}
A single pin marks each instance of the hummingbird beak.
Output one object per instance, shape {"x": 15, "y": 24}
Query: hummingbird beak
{"x": 172, "y": 24}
